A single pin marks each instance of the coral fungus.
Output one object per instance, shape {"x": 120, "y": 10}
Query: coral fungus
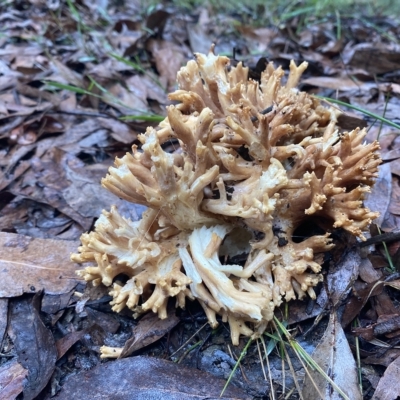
{"x": 254, "y": 161}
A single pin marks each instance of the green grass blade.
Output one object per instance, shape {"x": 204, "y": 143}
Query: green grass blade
{"x": 135, "y": 66}
{"x": 71, "y": 88}
{"x": 362, "y": 110}
{"x": 307, "y": 358}
{"x": 242, "y": 354}
{"x": 143, "y": 117}
{"x": 96, "y": 84}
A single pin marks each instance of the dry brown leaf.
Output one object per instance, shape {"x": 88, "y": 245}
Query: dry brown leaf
{"x": 345, "y": 83}
{"x": 146, "y": 378}
{"x": 169, "y": 59}
{"x": 33, "y": 342}
{"x": 394, "y": 206}
{"x": 384, "y": 304}
{"x": 367, "y": 272}
{"x": 384, "y": 356}
{"x": 389, "y": 385}
{"x": 362, "y": 293}
{"x": 334, "y": 356}
{"x": 3, "y": 317}
{"x": 66, "y": 342}
{"x": 126, "y": 102}
{"x": 69, "y": 76}
{"x": 125, "y": 35}
{"x": 379, "y": 198}
{"x": 119, "y": 131}
{"x": 12, "y": 375}
{"x": 394, "y": 284}
{"x": 29, "y": 265}
{"x": 340, "y": 281}
{"x": 365, "y": 56}
{"x": 149, "y": 329}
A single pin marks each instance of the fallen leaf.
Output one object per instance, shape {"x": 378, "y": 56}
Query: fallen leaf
{"x": 69, "y": 76}
{"x": 3, "y": 317}
{"x": 85, "y": 194}
{"x": 389, "y": 385}
{"x": 349, "y": 122}
{"x": 149, "y": 329}
{"x": 126, "y": 102}
{"x": 364, "y": 55}
{"x": 344, "y": 83}
{"x": 66, "y": 342}
{"x": 334, "y": 356}
{"x": 372, "y": 375}
{"x": 12, "y": 375}
{"x": 169, "y": 59}
{"x": 338, "y": 83}
{"x": 387, "y": 324}
{"x": 119, "y": 131}
{"x": 198, "y": 35}
{"x": 367, "y": 272}
{"x": 157, "y": 20}
{"x": 34, "y": 344}
{"x": 379, "y": 198}
{"x": 384, "y": 304}
{"x": 52, "y": 304}
{"x": 384, "y": 357}
{"x": 107, "y": 321}
{"x": 341, "y": 280}
{"x": 145, "y": 378}
{"x": 394, "y": 206}
{"x": 29, "y": 265}
{"x": 358, "y": 300}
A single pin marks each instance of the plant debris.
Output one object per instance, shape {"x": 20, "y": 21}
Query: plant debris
{"x": 79, "y": 82}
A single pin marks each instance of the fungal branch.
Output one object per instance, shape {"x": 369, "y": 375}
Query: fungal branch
{"x": 255, "y": 160}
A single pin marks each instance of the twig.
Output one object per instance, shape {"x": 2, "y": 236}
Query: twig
{"x": 384, "y": 237}
{"x": 263, "y": 112}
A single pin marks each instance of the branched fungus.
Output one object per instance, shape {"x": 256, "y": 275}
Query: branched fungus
{"x": 255, "y": 161}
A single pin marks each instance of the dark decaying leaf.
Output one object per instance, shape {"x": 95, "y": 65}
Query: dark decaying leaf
{"x": 34, "y": 343}
{"x": 107, "y": 322}
{"x": 300, "y": 310}
{"x": 379, "y": 198}
{"x": 358, "y": 300}
{"x": 149, "y": 329}
{"x": 52, "y": 304}
{"x": 12, "y": 375}
{"x": 28, "y": 265}
{"x": 345, "y": 273}
{"x": 394, "y": 206}
{"x": 390, "y": 324}
{"x": 365, "y": 56}
{"x": 3, "y": 317}
{"x": 65, "y": 343}
{"x": 384, "y": 356}
{"x": 389, "y": 385}
{"x": 367, "y": 271}
{"x": 145, "y": 378}
{"x": 334, "y": 356}
{"x": 349, "y": 122}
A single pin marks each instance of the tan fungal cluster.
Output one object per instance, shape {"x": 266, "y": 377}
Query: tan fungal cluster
{"x": 253, "y": 162}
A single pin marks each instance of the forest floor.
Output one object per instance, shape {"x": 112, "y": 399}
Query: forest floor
{"x": 79, "y": 80}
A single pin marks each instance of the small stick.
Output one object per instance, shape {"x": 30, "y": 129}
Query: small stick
{"x": 266, "y": 111}
{"x": 385, "y": 237}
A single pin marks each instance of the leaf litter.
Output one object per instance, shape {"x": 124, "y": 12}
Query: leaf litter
{"x": 78, "y": 83}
